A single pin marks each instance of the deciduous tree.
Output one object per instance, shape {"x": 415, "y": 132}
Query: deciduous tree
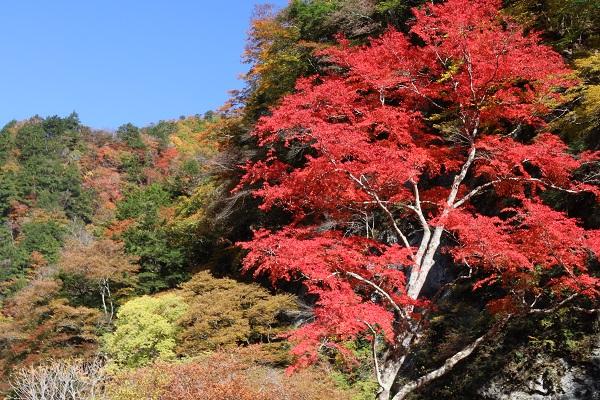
{"x": 421, "y": 146}
{"x": 146, "y": 330}
{"x": 102, "y": 262}
{"x": 225, "y": 313}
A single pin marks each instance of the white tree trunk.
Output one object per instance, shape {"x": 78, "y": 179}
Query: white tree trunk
{"x": 424, "y": 262}
{"x": 388, "y": 373}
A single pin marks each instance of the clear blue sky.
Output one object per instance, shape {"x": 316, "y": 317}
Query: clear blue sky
{"x": 117, "y": 61}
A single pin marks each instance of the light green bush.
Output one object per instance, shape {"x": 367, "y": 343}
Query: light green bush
{"x": 145, "y": 330}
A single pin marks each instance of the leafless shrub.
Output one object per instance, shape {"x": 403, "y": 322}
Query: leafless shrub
{"x": 60, "y": 380}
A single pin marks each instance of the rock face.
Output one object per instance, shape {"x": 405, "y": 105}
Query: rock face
{"x": 550, "y": 379}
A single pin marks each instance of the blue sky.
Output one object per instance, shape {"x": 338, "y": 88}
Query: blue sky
{"x": 117, "y": 61}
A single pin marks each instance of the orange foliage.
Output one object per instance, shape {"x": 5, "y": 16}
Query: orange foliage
{"x": 37, "y": 260}
{"x": 106, "y": 181}
{"x": 17, "y": 210}
{"x": 223, "y": 376}
{"x": 38, "y": 327}
{"x": 165, "y": 159}
{"x": 102, "y": 259}
{"x": 31, "y": 298}
{"x": 152, "y": 175}
{"x": 108, "y": 156}
{"x": 118, "y": 227}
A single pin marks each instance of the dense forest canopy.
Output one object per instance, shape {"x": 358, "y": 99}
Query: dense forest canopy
{"x": 402, "y": 202}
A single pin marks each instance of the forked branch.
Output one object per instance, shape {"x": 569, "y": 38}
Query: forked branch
{"x": 449, "y": 363}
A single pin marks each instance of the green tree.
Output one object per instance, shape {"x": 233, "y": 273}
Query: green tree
{"x": 6, "y": 142}
{"x": 132, "y": 164}
{"x": 10, "y": 256}
{"x": 44, "y": 237}
{"x": 8, "y": 191}
{"x": 310, "y": 17}
{"x": 44, "y": 171}
{"x": 567, "y": 24}
{"x": 145, "y": 330}
{"x": 142, "y": 200}
{"x": 161, "y": 260}
{"x": 162, "y": 131}
{"x": 130, "y": 135}
{"x": 162, "y": 263}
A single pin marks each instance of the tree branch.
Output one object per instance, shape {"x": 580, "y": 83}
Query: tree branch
{"x": 377, "y": 288}
{"x": 419, "y": 274}
{"x": 374, "y": 350}
{"x": 449, "y": 363}
{"x": 479, "y": 189}
{"x": 381, "y": 205}
{"x": 426, "y": 229}
{"x": 553, "y": 308}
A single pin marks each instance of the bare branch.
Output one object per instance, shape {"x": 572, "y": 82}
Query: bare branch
{"x": 479, "y": 189}
{"x": 68, "y": 380}
{"x": 374, "y": 351}
{"x": 449, "y": 363}
{"x": 381, "y": 205}
{"x": 377, "y": 288}
{"x": 553, "y": 308}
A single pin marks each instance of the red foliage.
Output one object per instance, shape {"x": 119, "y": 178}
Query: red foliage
{"x": 165, "y": 158}
{"x": 408, "y": 135}
{"x": 106, "y": 182}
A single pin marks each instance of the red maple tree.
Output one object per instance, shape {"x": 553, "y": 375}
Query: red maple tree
{"x": 414, "y": 146}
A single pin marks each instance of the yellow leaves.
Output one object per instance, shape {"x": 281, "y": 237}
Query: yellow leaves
{"x": 589, "y": 67}
{"x": 10, "y": 166}
{"x": 145, "y": 330}
{"x": 190, "y": 215}
{"x": 166, "y": 213}
{"x": 278, "y": 57}
{"x": 267, "y": 36}
{"x": 244, "y": 313}
{"x": 38, "y": 215}
{"x": 591, "y": 101}
{"x": 451, "y": 71}
{"x": 579, "y": 124}
{"x": 192, "y": 137}
{"x": 176, "y": 141}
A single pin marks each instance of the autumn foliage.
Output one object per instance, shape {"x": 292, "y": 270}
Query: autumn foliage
{"x": 419, "y": 145}
{"x": 415, "y": 185}
{"x": 222, "y": 376}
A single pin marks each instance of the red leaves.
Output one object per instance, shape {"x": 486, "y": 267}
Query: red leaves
{"x": 323, "y": 258}
{"x": 536, "y": 239}
{"x": 546, "y": 159}
{"x": 337, "y": 269}
{"x": 488, "y": 61}
{"x": 402, "y": 116}
{"x": 165, "y": 158}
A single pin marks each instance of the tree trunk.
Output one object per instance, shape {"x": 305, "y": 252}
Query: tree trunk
{"x": 110, "y": 301}
{"x": 388, "y": 374}
{"x": 450, "y": 363}
{"x": 102, "y": 295}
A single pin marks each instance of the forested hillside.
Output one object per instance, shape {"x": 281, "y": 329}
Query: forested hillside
{"x": 402, "y": 202}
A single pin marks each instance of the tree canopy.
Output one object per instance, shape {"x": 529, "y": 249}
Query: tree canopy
{"x": 398, "y": 150}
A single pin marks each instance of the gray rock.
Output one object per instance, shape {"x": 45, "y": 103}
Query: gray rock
{"x": 549, "y": 380}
